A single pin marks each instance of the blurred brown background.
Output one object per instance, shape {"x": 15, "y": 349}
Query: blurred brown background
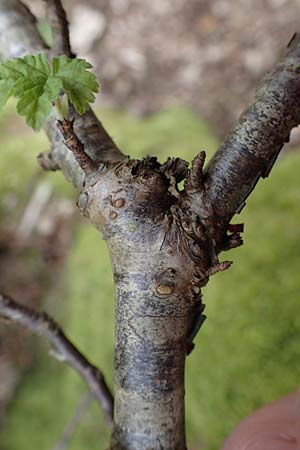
{"x": 208, "y": 54}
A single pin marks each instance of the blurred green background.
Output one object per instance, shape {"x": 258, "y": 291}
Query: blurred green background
{"x": 248, "y": 351}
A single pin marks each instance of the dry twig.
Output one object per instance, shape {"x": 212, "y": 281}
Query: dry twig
{"x": 63, "y": 349}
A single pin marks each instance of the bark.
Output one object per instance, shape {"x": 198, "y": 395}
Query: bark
{"x": 164, "y": 244}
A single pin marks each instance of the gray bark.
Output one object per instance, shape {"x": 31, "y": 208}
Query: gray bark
{"x": 163, "y": 243}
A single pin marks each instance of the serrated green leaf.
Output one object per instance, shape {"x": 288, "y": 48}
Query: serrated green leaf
{"x": 29, "y": 80}
{"x": 6, "y": 87}
{"x": 78, "y": 83}
{"x": 30, "y": 65}
{"x": 36, "y": 98}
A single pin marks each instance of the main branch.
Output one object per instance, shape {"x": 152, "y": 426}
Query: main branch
{"x": 252, "y": 148}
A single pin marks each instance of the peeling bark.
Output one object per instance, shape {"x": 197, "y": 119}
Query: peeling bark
{"x": 164, "y": 244}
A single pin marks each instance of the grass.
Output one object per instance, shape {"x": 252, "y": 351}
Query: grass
{"x": 248, "y": 350}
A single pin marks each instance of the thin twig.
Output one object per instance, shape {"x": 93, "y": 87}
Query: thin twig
{"x": 60, "y": 28}
{"x": 64, "y": 350}
{"x": 71, "y": 426}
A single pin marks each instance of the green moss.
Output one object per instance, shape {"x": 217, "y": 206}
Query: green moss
{"x": 247, "y": 351}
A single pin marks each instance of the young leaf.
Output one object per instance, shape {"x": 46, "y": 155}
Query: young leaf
{"x": 37, "y": 85}
{"x": 78, "y": 83}
{"x": 35, "y": 101}
{"x": 6, "y": 86}
{"x": 12, "y": 71}
{"x": 29, "y": 80}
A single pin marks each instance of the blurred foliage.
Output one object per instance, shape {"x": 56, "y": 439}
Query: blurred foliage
{"x": 247, "y": 352}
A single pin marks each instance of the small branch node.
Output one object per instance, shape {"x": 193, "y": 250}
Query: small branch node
{"x": 46, "y": 161}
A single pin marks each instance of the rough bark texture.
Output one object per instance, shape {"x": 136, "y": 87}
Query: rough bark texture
{"x": 164, "y": 243}
{"x": 157, "y": 293}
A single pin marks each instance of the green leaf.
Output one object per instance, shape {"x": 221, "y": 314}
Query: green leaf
{"x": 36, "y": 99}
{"x": 37, "y": 85}
{"x": 6, "y": 87}
{"x": 78, "y": 83}
{"x": 29, "y": 79}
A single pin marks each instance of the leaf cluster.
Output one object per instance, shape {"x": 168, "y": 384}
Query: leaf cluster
{"x": 37, "y": 85}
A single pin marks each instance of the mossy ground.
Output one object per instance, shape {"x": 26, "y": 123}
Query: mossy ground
{"x": 248, "y": 350}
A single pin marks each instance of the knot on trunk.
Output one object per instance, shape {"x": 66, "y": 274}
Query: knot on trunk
{"x": 165, "y": 282}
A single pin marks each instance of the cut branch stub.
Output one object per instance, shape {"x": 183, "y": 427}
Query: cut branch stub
{"x": 194, "y": 181}
{"x": 46, "y": 161}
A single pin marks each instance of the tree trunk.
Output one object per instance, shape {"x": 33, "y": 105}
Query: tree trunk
{"x": 157, "y": 295}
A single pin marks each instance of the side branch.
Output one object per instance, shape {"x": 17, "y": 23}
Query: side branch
{"x": 251, "y": 149}
{"x": 42, "y": 324}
